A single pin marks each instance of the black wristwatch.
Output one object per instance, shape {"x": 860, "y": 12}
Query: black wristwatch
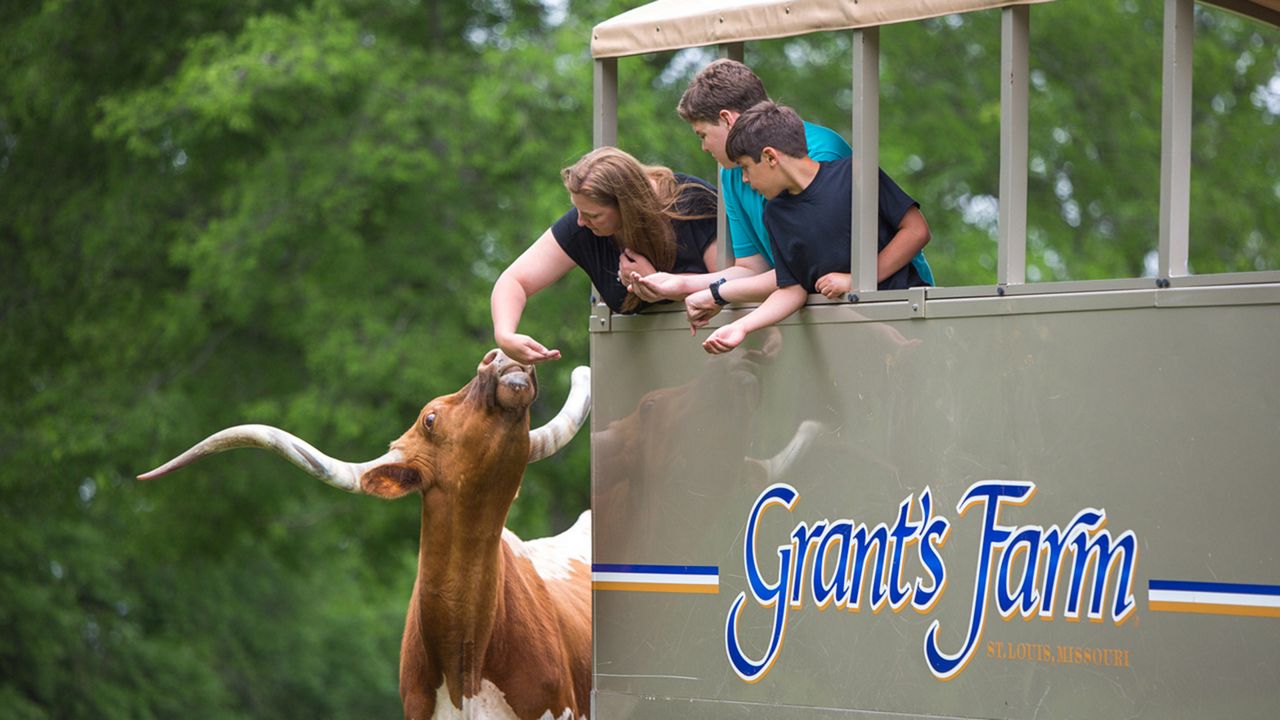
{"x": 715, "y": 292}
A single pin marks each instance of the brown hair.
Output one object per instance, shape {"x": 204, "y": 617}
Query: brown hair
{"x": 722, "y": 85}
{"x": 647, "y": 198}
{"x": 766, "y": 125}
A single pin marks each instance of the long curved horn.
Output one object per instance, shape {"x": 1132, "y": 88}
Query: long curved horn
{"x": 340, "y": 474}
{"x": 549, "y": 438}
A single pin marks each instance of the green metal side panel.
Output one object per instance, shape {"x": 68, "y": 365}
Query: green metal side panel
{"x": 1157, "y": 411}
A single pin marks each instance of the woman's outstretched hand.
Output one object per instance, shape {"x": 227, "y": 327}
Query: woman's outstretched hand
{"x": 524, "y": 349}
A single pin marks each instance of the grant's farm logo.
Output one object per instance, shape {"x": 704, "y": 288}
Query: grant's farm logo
{"x": 844, "y": 563}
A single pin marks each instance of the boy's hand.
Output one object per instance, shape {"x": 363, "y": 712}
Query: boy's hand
{"x": 834, "y": 285}
{"x": 658, "y": 286}
{"x": 699, "y": 308}
{"x": 524, "y": 349}
{"x": 724, "y": 339}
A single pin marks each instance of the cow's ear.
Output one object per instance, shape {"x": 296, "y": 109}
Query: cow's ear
{"x": 390, "y": 481}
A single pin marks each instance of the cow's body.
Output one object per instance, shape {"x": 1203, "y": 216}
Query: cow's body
{"x": 531, "y": 659}
{"x": 497, "y": 628}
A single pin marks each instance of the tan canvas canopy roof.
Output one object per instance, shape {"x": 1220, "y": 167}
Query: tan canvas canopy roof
{"x": 675, "y": 24}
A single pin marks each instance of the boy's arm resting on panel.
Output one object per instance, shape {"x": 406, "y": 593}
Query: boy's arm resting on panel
{"x": 541, "y": 264}
{"x": 783, "y": 302}
{"x": 912, "y": 236}
{"x": 752, "y": 286}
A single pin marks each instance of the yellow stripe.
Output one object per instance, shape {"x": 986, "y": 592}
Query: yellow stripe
{"x": 657, "y": 587}
{"x": 1211, "y": 609}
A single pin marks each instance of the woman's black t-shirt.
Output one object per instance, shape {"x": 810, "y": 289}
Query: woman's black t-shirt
{"x": 598, "y": 256}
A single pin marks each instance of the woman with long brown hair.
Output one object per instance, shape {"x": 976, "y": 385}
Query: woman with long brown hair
{"x": 628, "y": 220}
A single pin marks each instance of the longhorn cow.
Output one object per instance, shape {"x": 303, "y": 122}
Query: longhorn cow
{"x": 496, "y": 627}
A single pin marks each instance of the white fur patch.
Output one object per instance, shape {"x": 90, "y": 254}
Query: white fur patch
{"x": 552, "y": 556}
{"x": 490, "y": 704}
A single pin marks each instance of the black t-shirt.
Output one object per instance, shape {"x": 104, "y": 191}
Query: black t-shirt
{"x": 810, "y": 232}
{"x": 599, "y": 256}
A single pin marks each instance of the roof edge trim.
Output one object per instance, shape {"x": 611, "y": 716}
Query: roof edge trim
{"x": 678, "y": 24}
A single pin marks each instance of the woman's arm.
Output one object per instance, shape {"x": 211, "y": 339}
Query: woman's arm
{"x": 541, "y": 264}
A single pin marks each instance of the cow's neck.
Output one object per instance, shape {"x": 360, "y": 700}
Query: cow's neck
{"x": 460, "y": 574}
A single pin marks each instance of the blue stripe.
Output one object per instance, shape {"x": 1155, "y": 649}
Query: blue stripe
{"x": 657, "y": 569}
{"x": 1190, "y": 586}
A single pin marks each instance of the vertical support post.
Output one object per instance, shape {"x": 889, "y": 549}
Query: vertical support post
{"x": 864, "y": 243}
{"x": 604, "y": 126}
{"x": 604, "y": 129}
{"x": 1175, "y": 139}
{"x": 724, "y": 255}
{"x": 1015, "y": 30}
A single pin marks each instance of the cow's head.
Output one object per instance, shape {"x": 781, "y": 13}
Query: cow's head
{"x": 471, "y": 443}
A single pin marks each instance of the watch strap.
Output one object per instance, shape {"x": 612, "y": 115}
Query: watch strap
{"x": 714, "y": 287}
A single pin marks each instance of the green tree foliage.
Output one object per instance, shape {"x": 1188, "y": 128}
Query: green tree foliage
{"x": 292, "y": 212}
{"x": 287, "y": 213}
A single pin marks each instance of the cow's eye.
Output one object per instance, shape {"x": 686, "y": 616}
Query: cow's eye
{"x": 429, "y": 422}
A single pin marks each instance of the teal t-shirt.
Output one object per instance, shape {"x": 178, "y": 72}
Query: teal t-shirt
{"x": 744, "y": 207}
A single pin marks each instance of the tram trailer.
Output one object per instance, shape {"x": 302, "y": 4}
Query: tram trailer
{"x": 1011, "y": 501}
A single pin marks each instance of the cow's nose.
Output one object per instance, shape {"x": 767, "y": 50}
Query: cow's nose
{"x": 517, "y": 384}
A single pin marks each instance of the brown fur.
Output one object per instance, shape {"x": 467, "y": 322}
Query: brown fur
{"x": 479, "y": 611}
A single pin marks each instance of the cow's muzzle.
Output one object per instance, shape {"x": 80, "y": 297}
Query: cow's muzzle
{"x": 517, "y": 384}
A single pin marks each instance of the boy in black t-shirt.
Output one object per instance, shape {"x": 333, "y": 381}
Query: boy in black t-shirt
{"x": 809, "y": 219}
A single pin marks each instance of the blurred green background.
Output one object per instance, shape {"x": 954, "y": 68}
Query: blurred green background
{"x": 293, "y": 212}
